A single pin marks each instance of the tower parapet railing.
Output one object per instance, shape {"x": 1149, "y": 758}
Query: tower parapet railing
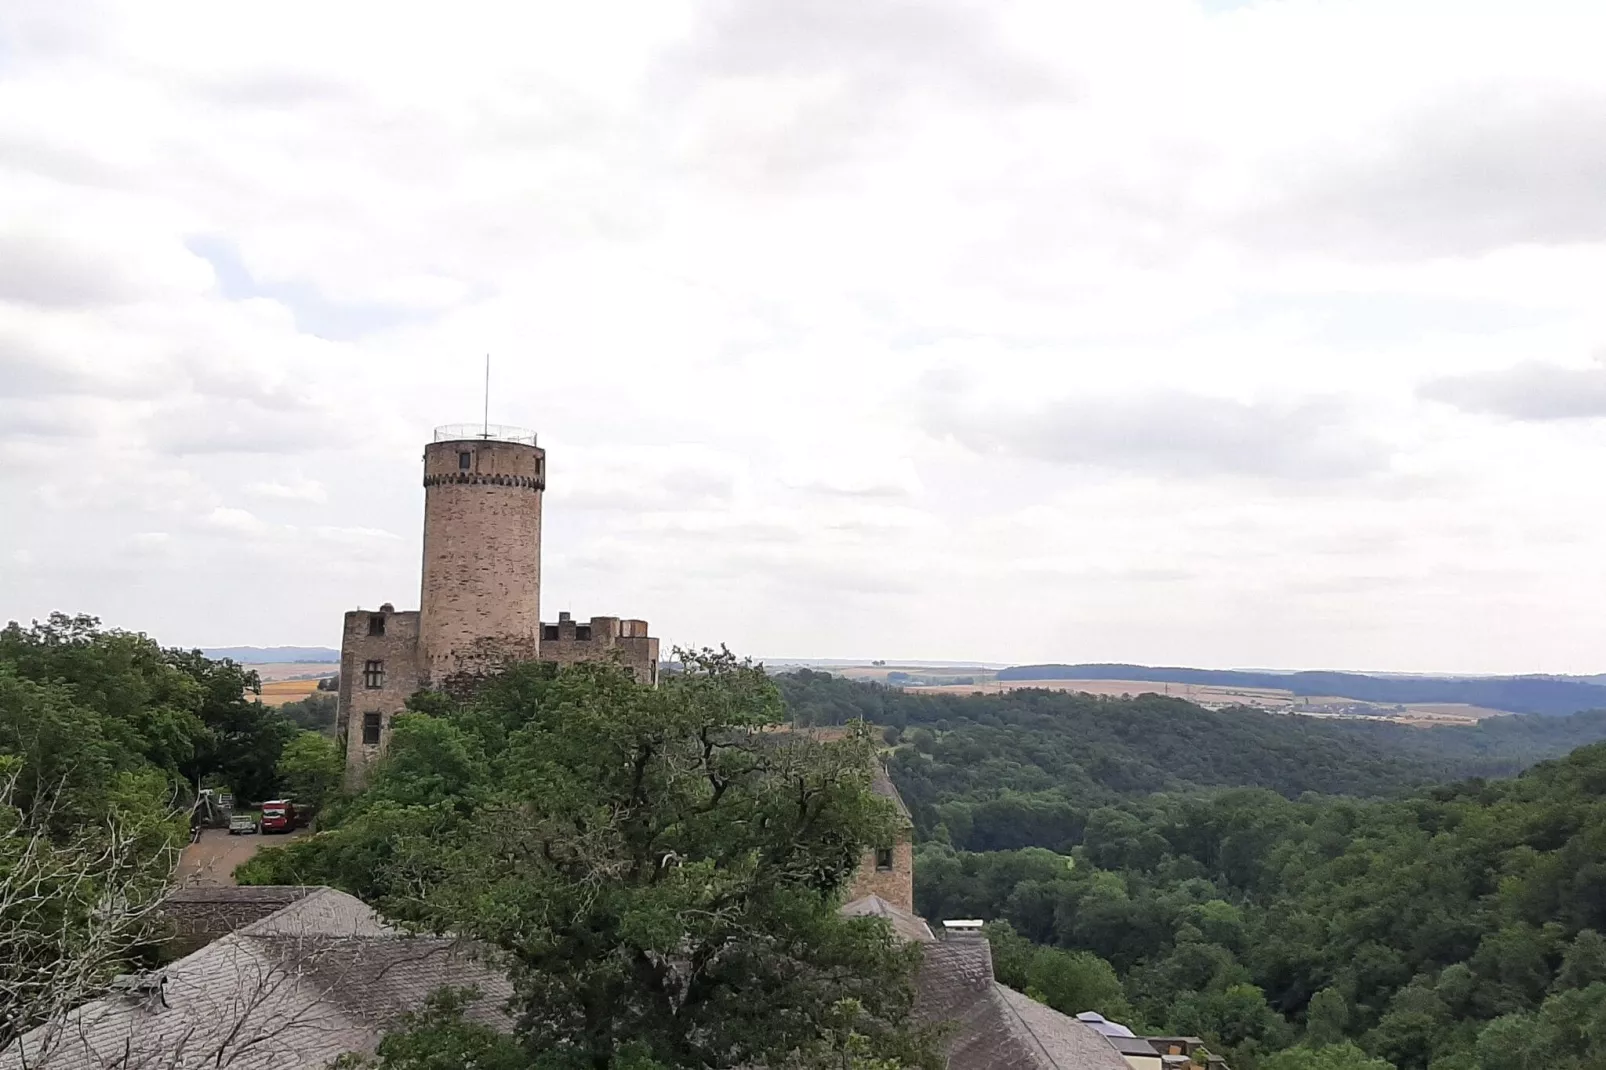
{"x": 485, "y": 433}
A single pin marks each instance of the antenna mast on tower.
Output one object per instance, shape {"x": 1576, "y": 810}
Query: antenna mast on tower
{"x": 487, "y": 429}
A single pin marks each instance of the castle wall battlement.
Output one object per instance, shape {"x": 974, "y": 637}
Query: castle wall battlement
{"x": 569, "y": 641}
{"x": 480, "y": 593}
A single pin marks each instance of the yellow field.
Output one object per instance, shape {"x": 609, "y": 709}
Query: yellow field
{"x": 1276, "y": 700}
{"x": 278, "y": 692}
{"x": 1201, "y": 693}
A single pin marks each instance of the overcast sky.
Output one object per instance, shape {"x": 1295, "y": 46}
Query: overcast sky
{"x": 1168, "y": 331}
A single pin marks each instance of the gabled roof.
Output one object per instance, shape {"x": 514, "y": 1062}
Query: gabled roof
{"x": 882, "y": 785}
{"x": 320, "y": 977}
{"x": 323, "y": 975}
{"x": 993, "y": 1026}
{"x": 904, "y": 924}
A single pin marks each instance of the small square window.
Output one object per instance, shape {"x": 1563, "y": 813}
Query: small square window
{"x": 883, "y": 859}
{"x": 373, "y": 675}
{"x": 370, "y": 728}
{"x": 376, "y": 625}
{"x": 465, "y": 460}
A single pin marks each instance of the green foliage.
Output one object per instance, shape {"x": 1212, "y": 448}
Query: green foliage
{"x": 439, "y": 1037}
{"x": 315, "y": 713}
{"x": 104, "y": 736}
{"x": 79, "y": 703}
{"x": 1330, "y": 1057}
{"x": 1027, "y": 768}
{"x": 658, "y": 868}
{"x": 310, "y": 768}
{"x": 1069, "y": 981}
{"x": 1456, "y": 925}
{"x": 1327, "y": 1016}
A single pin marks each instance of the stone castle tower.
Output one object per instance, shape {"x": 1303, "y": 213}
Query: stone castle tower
{"x": 480, "y": 600}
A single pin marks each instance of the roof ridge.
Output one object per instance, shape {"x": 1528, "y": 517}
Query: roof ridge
{"x": 1020, "y": 1018}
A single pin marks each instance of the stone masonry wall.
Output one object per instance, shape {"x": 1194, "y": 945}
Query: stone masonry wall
{"x": 398, "y": 650}
{"x": 609, "y": 637}
{"x": 481, "y": 597}
{"x": 896, "y": 885}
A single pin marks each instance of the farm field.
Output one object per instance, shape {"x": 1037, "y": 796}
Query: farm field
{"x": 291, "y": 670}
{"x": 1203, "y": 694}
{"x": 1271, "y": 699}
{"x": 1212, "y": 696}
{"x": 278, "y": 692}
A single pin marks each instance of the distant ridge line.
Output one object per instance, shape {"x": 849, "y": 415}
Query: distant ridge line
{"x": 1514, "y": 694}
{"x": 270, "y": 655}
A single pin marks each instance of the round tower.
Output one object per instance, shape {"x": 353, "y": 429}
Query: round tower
{"x": 481, "y": 600}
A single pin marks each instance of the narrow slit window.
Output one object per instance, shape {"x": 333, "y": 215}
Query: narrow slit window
{"x": 373, "y": 675}
{"x": 370, "y": 728}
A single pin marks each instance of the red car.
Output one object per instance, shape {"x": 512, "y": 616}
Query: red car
{"x": 278, "y": 815}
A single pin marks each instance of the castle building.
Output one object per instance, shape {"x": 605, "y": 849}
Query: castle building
{"x": 480, "y": 603}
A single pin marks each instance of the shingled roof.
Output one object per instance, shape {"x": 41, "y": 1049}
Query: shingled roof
{"x": 317, "y": 978}
{"x": 991, "y": 1026}
{"x": 323, "y": 975}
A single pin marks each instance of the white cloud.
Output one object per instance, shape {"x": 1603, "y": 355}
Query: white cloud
{"x": 1528, "y": 391}
{"x": 293, "y": 490}
{"x": 1227, "y": 300}
{"x": 240, "y": 521}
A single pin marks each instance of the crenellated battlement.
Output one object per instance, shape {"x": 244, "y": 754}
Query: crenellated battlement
{"x": 475, "y": 478}
{"x": 480, "y": 598}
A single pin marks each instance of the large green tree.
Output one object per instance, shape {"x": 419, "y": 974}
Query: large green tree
{"x": 131, "y": 700}
{"x": 659, "y": 869}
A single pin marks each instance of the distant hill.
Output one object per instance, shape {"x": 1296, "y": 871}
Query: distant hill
{"x": 271, "y": 655}
{"x": 1547, "y": 695}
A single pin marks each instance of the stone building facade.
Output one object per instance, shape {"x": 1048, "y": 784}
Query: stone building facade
{"x": 887, "y": 870}
{"x": 480, "y": 599}
{"x": 603, "y": 638}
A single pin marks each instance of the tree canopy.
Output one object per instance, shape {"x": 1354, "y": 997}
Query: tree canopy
{"x": 79, "y": 703}
{"x": 659, "y": 870}
{"x": 1027, "y": 768}
{"x": 1459, "y": 927}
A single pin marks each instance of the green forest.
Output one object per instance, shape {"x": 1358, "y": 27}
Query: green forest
{"x": 1306, "y": 895}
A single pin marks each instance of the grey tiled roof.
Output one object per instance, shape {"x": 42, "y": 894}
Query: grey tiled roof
{"x": 992, "y": 1027}
{"x": 324, "y": 975}
{"x": 321, "y": 977}
{"x": 282, "y": 894}
{"x": 882, "y": 785}
{"x": 1061, "y": 1040}
{"x": 905, "y": 924}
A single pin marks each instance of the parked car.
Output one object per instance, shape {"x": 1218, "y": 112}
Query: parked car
{"x": 243, "y": 825}
{"x": 279, "y": 815}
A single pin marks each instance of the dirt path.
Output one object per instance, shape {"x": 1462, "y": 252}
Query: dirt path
{"x": 211, "y": 860}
